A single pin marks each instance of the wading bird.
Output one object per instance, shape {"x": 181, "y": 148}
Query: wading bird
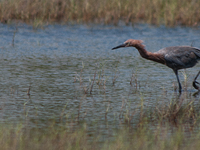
{"x": 176, "y": 57}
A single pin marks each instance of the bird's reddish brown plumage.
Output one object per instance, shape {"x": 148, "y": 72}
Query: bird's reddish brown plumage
{"x": 144, "y": 53}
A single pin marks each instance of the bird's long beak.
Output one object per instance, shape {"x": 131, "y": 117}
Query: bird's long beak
{"x": 119, "y": 46}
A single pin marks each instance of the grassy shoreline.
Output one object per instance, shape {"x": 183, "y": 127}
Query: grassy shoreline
{"x": 36, "y": 12}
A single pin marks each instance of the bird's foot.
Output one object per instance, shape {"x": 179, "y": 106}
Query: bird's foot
{"x": 196, "y": 86}
{"x": 195, "y": 82}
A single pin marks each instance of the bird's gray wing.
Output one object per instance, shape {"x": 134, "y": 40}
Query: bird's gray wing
{"x": 180, "y": 57}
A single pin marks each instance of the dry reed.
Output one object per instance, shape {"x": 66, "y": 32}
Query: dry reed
{"x": 170, "y": 12}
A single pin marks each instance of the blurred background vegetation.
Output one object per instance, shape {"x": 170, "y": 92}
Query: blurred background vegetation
{"x": 167, "y": 12}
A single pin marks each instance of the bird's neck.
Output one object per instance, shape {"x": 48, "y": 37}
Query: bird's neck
{"x": 149, "y": 55}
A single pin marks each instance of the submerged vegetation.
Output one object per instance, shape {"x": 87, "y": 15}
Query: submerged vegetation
{"x": 168, "y": 12}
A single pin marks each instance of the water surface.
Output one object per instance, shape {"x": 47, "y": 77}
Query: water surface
{"x": 59, "y": 64}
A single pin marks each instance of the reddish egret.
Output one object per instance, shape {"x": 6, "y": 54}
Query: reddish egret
{"x": 176, "y": 57}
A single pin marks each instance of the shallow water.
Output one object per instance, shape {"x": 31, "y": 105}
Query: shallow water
{"x": 59, "y": 64}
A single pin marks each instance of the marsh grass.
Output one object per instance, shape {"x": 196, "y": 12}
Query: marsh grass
{"x": 180, "y": 110}
{"x": 173, "y": 126}
{"x": 37, "y": 12}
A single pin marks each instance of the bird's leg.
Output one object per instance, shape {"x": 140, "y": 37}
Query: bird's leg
{"x": 195, "y": 82}
{"x": 179, "y": 84}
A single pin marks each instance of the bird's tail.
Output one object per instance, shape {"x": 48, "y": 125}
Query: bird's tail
{"x": 197, "y": 53}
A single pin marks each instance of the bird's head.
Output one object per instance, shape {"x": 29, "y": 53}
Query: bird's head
{"x": 130, "y": 43}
